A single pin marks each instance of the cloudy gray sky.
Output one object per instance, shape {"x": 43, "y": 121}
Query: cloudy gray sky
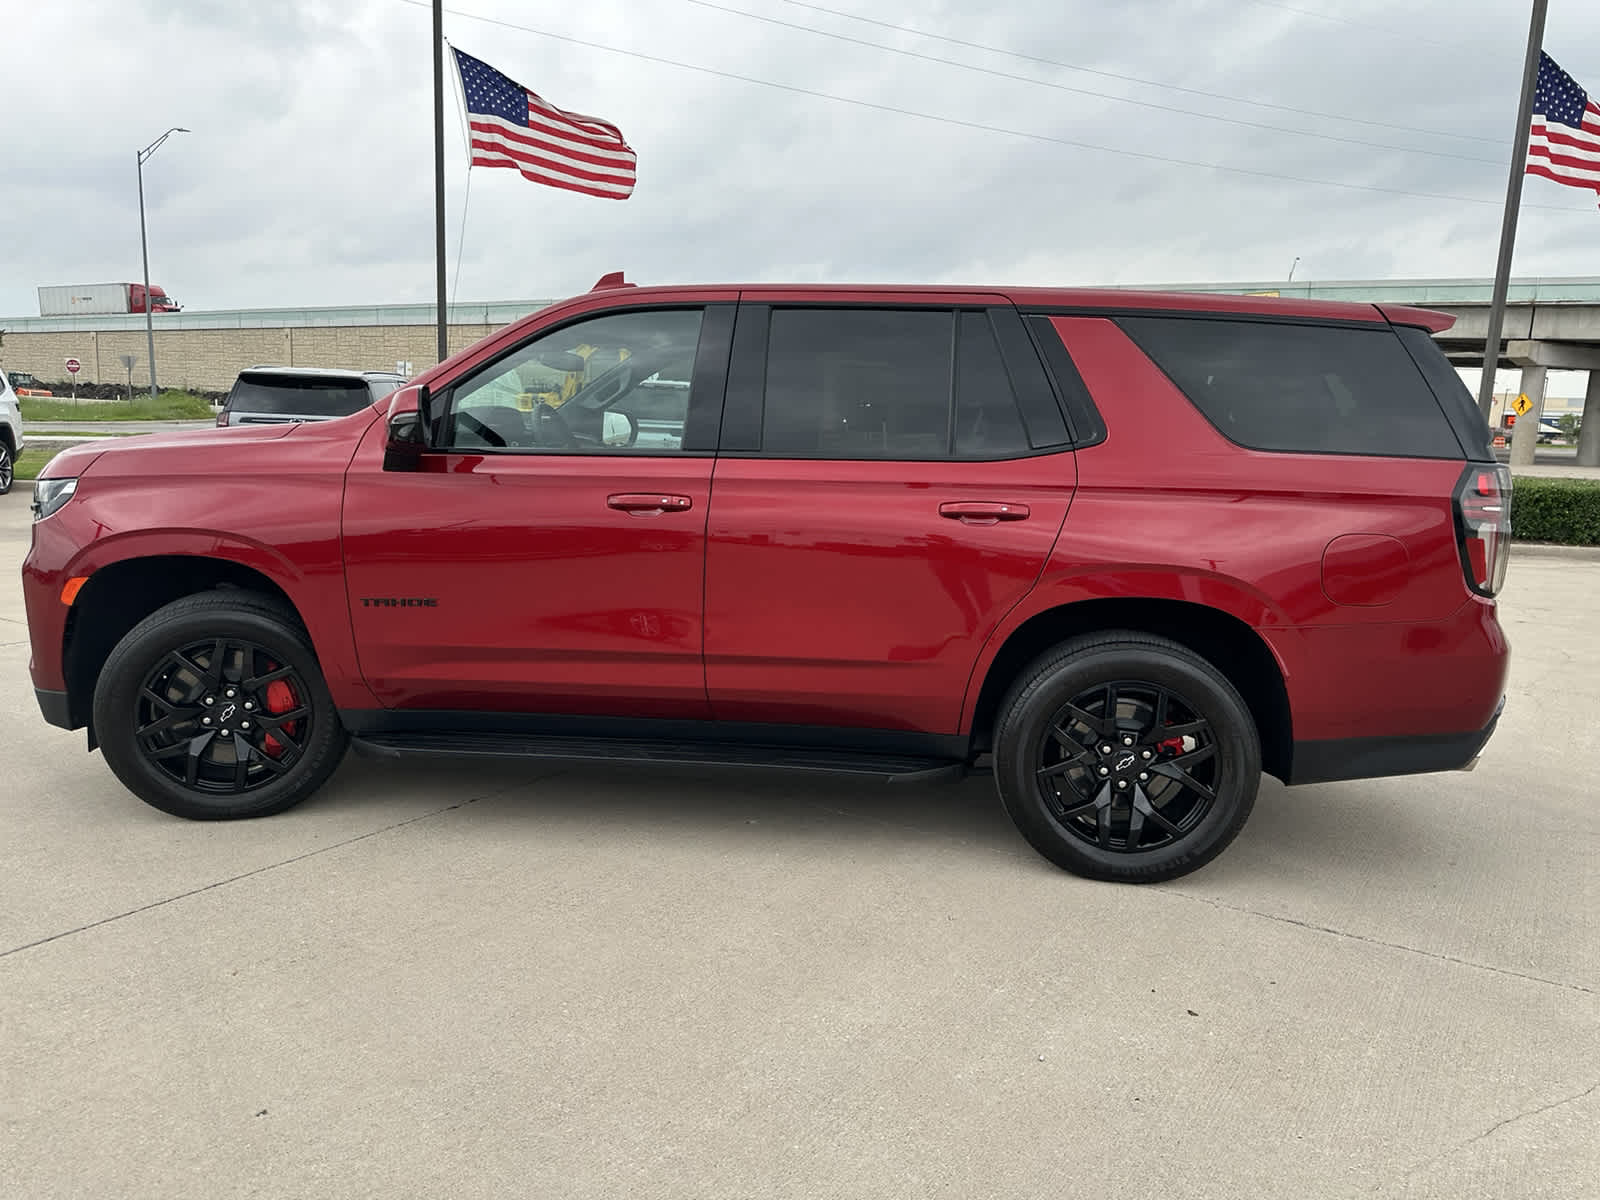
{"x": 307, "y": 179}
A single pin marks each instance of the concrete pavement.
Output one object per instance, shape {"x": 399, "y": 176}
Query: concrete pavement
{"x": 474, "y": 981}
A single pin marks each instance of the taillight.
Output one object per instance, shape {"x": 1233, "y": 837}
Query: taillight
{"x": 222, "y": 417}
{"x": 1483, "y": 525}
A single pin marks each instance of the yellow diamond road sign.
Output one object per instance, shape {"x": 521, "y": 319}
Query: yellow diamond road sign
{"x": 1522, "y": 404}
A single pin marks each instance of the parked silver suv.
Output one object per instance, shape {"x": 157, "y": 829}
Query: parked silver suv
{"x": 275, "y": 395}
{"x": 10, "y": 433}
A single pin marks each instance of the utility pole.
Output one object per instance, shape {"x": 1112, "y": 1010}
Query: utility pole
{"x": 438, "y": 174}
{"x": 1508, "y": 224}
{"x": 144, "y": 251}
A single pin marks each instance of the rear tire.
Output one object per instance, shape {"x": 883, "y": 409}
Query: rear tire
{"x": 214, "y": 708}
{"x": 1126, "y": 757}
{"x": 8, "y": 466}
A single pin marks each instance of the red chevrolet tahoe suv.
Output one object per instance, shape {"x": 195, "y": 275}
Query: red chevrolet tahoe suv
{"x": 1129, "y": 550}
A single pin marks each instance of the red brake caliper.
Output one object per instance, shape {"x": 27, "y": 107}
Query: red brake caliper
{"x": 280, "y": 699}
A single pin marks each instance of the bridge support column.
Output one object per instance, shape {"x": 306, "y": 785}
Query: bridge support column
{"x": 1589, "y": 439}
{"x": 1525, "y": 434}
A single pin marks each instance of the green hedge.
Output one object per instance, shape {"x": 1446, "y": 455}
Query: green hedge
{"x": 1565, "y": 511}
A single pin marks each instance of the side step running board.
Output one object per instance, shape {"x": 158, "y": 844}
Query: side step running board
{"x": 892, "y": 768}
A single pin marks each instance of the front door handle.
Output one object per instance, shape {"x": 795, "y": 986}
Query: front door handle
{"x": 983, "y": 512}
{"x": 648, "y": 504}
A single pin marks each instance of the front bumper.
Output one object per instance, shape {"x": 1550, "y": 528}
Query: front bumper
{"x": 1369, "y": 758}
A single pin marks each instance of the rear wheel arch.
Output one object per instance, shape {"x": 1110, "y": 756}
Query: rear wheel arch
{"x": 119, "y": 595}
{"x": 1229, "y": 644}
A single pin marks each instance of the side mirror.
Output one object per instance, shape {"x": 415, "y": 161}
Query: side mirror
{"x": 618, "y": 429}
{"x": 406, "y": 442}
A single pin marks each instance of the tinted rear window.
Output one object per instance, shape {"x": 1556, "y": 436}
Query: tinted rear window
{"x": 1308, "y": 388}
{"x": 988, "y": 424}
{"x": 299, "y": 397}
{"x": 1458, "y": 404}
{"x": 858, "y": 383}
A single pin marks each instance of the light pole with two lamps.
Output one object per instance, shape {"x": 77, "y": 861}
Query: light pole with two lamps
{"x": 149, "y": 328}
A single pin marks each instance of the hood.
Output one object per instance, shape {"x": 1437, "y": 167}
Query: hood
{"x": 210, "y": 445}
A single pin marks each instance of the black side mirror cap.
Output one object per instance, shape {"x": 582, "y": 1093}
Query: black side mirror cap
{"x": 406, "y": 442}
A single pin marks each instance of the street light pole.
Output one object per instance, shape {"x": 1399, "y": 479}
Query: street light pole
{"x": 144, "y": 251}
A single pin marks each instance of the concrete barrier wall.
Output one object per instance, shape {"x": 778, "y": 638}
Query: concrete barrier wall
{"x": 209, "y": 359}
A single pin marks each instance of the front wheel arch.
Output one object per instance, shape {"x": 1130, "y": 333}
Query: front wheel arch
{"x": 121, "y": 594}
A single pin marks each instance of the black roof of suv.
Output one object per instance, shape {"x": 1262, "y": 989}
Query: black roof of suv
{"x": 274, "y": 395}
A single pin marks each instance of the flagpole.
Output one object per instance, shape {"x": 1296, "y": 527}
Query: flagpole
{"x": 439, "y": 175}
{"x": 1508, "y": 226}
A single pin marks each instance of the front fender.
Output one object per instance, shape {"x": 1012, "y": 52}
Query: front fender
{"x": 286, "y": 530}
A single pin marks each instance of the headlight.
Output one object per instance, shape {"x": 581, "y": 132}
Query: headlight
{"x": 50, "y": 494}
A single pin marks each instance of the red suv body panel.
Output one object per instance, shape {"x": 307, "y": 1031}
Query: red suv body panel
{"x": 578, "y": 607}
{"x": 847, "y": 594}
{"x": 838, "y": 594}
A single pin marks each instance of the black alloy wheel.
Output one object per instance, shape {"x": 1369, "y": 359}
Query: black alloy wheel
{"x": 214, "y": 708}
{"x": 223, "y": 715}
{"x": 1128, "y": 766}
{"x": 1126, "y": 756}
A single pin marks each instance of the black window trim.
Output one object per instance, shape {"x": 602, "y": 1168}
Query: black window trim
{"x": 1085, "y": 426}
{"x": 1251, "y": 318}
{"x": 720, "y": 328}
{"x": 746, "y": 384}
{"x": 1469, "y": 438}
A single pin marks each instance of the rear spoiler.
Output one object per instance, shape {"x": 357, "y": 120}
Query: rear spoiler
{"x": 1430, "y": 319}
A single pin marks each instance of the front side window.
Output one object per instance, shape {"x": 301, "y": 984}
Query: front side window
{"x": 607, "y": 384}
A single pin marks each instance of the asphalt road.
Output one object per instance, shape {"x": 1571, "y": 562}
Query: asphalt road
{"x": 473, "y": 981}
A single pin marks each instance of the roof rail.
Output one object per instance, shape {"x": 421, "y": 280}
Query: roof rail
{"x": 613, "y": 280}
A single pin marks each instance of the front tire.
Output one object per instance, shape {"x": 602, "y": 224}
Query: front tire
{"x": 1126, "y": 757}
{"x": 214, "y": 708}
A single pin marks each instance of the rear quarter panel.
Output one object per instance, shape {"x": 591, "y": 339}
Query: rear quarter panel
{"x": 1168, "y": 508}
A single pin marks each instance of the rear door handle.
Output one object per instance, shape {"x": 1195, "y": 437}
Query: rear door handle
{"x": 983, "y": 512}
{"x": 648, "y": 504}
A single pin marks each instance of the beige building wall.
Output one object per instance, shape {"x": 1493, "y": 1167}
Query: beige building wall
{"x": 209, "y": 359}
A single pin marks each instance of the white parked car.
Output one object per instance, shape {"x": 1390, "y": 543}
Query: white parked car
{"x": 10, "y": 433}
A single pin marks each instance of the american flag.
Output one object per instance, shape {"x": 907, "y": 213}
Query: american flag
{"x": 512, "y": 127}
{"x": 1564, "y": 143}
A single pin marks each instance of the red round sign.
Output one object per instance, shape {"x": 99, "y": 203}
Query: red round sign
{"x": 73, "y": 365}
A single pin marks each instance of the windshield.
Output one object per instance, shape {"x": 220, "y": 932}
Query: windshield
{"x": 289, "y": 396}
